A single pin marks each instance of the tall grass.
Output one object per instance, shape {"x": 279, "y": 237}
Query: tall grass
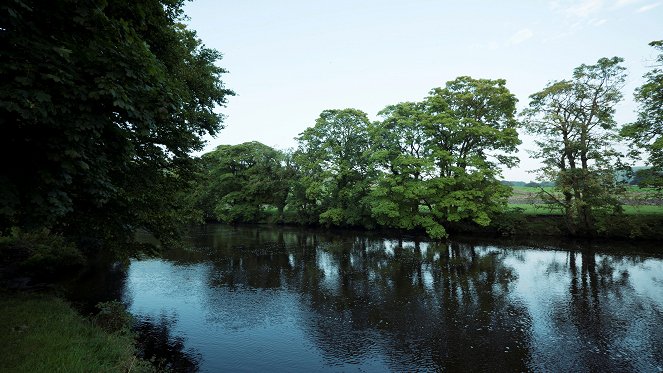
{"x": 42, "y": 333}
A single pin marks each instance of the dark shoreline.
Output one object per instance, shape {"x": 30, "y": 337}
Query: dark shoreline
{"x": 644, "y": 227}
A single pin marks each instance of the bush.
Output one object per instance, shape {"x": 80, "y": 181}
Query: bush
{"x": 113, "y": 317}
{"x": 39, "y": 253}
{"x": 509, "y": 222}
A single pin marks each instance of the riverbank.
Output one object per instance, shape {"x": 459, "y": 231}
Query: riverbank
{"x": 519, "y": 222}
{"x": 43, "y": 333}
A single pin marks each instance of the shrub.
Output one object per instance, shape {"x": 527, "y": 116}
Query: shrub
{"x": 113, "y": 317}
{"x": 39, "y": 253}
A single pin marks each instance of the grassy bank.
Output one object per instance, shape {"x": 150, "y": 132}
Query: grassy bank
{"x": 42, "y": 333}
{"x": 542, "y": 209}
{"x": 642, "y": 225}
{"x": 527, "y": 220}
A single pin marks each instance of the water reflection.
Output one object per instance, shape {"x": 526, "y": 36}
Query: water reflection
{"x": 256, "y": 298}
{"x": 612, "y": 323}
{"x": 166, "y": 351}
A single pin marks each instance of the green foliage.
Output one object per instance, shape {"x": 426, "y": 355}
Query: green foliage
{"x": 636, "y": 224}
{"x": 647, "y": 132}
{"x": 426, "y": 164}
{"x": 536, "y": 208}
{"x": 573, "y": 122}
{"x": 333, "y": 170}
{"x": 39, "y": 253}
{"x": 440, "y": 157}
{"x": 113, "y": 317}
{"x": 240, "y": 181}
{"x": 100, "y": 103}
{"x": 510, "y": 221}
{"x": 44, "y": 334}
{"x": 516, "y": 221}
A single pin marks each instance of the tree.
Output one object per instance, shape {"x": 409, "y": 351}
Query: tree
{"x": 573, "y": 121}
{"x": 400, "y": 147}
{"x": 473, "y": 131}
{"x": 100, "y": 104}
{"x": 442, "y": 156}
{"x": 647, "y": 132}
{"x": 334, "y": 169}
{"x": 241, "y": 180}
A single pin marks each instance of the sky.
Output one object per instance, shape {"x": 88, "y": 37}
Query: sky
{"x": 289, "y": 60}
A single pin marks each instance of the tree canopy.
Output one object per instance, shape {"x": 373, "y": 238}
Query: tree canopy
{"x": 442, "y": 156}
{"x": 647, "y": 132}
{"x": 241, "y": 180}
{"x": 424, "y": 165}
{"x": 333, "y": 169}
{"x": 101, "y": 102}
{"x": 575, "y": 128}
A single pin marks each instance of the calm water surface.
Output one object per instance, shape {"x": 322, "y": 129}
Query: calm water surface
{"x": 285, "y": 299}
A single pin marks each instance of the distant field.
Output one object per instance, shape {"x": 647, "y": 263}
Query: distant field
{"x": 541, "y": 209}
{"x": 530, "y": 189}
{"x": 646, "y": 209}
{"x": 630, "y": 189}
{"x": 535, "y": 209}
{"x": 636, "y": 200}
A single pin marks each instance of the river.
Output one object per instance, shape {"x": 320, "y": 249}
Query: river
{"x": 260, "y": 298}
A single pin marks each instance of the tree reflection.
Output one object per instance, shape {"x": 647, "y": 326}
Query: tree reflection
{"x": 606, "y": 315}
{"x": 407, "y": 304}
{"x": 418, "y": 304}
{"x": 165, "y": 351}
{"x": 102, "y": 281}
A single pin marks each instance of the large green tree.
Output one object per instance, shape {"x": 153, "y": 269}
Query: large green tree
{"x": 100, "y": 104}
{"x": 573, "y": 121}
{"x": 647, "y": 132}
{"x": 240, "y": 181}
{"x": 441, "y": 157}
{"x": 333, "y": 170}
{"x": 400, "y": 149}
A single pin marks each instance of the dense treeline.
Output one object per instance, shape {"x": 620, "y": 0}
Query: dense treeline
{"x": 426, "y": 165}
{"x": 103, "y": 102}
{"x": 423, "y": 165}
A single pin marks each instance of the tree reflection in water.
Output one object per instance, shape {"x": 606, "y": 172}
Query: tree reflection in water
{"x": 261, "y": 298}
{"x": 604, "y": 323}
{"x": 418, "y": 304}
{"x": 167, "y": 352}
{"x": 437, "y": 307}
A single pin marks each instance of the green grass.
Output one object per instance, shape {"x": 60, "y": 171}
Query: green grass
{"x": 541, "y": 209}
{"x": 531, "y": 189}
{"x": 644, "y": 210}
{"x": 535, "y": 209}
{"x": 42, "y": 333}
{"x": 630, "y": 189}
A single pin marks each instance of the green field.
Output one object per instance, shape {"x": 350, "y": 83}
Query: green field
{"x": 541, "y": 209}
{"x": 636, "y": 201}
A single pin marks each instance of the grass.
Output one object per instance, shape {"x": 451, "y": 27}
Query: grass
{"x": 541, "y": 209}
{"x": 535, "y": 209}
{"x": 531, "y": 189}
{"x": 42, "y": 333}
{"x": 632, "y": 191}
{"x": 643, "y": 210}
{"x": 638, "y": 201}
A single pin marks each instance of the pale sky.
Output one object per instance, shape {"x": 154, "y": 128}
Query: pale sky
{"x": 289, "y": 60}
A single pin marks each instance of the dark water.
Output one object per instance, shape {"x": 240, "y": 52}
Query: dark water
{"x": 283, "y": 299}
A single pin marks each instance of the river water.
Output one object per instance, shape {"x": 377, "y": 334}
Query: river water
{"x": 286, "y": 299}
